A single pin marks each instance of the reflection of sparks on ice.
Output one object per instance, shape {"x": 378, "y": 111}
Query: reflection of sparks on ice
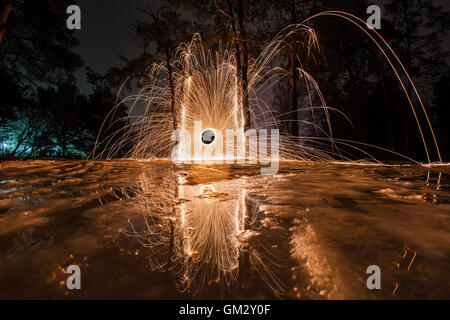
{"x": 207, "y": 189}
{"x": 210, "y": 224}
{"x": 203, "y": 237}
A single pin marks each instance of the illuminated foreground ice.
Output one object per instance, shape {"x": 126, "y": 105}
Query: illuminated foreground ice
{"x": 150, "y": 230}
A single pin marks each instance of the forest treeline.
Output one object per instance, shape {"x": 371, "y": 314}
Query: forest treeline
{"x": 43, "y": 113}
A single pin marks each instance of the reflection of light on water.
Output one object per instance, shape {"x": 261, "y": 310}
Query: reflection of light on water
{"x": 209, "y": 226}
{"x": 201, "y": 236}
{"x": 207, "y": 189}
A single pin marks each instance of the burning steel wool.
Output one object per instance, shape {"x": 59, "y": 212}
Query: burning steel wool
{"x": 193, "y": 110}
{"x": 201, "y": 96}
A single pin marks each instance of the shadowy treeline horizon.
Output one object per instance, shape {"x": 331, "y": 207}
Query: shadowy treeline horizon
{"x": 44, "y": 114}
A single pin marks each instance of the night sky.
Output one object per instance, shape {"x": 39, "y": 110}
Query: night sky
{"x": 106, "y": 32}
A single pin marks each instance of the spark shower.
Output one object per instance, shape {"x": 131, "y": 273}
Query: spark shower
{"x": 200, "y": 91}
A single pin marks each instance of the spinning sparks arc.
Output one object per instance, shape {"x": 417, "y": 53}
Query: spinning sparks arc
{"x": 186, "y": 110}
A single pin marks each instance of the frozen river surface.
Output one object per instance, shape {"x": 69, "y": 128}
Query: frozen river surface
{"x": 149, "y": 230}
